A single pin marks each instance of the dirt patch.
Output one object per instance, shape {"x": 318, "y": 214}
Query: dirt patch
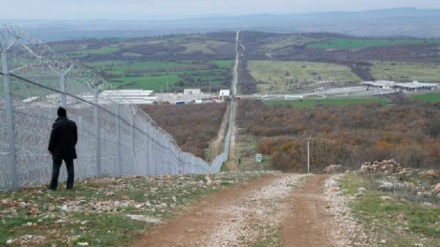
{"x": 307, "y": 222}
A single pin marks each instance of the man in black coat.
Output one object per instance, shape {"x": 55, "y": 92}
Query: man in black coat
{"x": 63, "y": 138}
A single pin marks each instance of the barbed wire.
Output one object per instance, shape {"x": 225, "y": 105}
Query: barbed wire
{"x": 115, "y": 137}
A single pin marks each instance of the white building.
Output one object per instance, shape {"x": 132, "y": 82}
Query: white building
{"x": 224, "y": 94}
{"x": 415, "y": 86}
{"x": 408, "y": 86}
{"x": 192, "y": 91}
{"x": 379, "y": 84}
{"x": 124, "y": 96}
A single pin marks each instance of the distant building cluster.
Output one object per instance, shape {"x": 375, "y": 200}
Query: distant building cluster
{"x": 124, "y": 96}
{"x": 408, "y": 86}
{"x": 135, "y": 97}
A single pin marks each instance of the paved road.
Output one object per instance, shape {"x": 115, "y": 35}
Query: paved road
{"x": 235, "y": 72}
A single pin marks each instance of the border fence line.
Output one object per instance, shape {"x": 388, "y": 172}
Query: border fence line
{"x": 114, "y": 138}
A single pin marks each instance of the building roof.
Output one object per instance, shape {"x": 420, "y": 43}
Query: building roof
{"x": 409, "y": 85}
{"x": 379, "y": 83}
{"x": 224, "y": 92}
{"x": 415, "y": 84}
{"x": 124, "y": 96}
{"x": 126, "y": 93}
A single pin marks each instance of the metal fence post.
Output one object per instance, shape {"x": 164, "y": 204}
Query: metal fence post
{"x": 308, "y": 154}
{"x": 118, "y": 135}
{"x": 63, "y": 86}
{"x": 63, "y": 90}
{"x": 98, "y": 133}
{"x": 156, "y": 154}
{"x": 132, "y": 135}
{"x": 147, "y": 147}
{"x": 168, "y": 161}
{"x": 9, "y": 119}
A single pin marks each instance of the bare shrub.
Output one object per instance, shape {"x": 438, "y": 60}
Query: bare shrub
{"x": 193, "y": 127}
{"x": 348, "y": 135}
{"x": 282, "y": 162}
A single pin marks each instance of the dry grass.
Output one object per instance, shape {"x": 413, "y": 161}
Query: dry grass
{"x": 287, "y": 76}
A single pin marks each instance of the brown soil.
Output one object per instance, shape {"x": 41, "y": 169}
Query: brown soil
{"x": 215, "y": 148}
{"x": 307, "y": 223}
{"x": 240, "y": 215}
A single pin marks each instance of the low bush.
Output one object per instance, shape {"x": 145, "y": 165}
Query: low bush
{"x": 192, "y": 126}
{"x": 348, "y": 135}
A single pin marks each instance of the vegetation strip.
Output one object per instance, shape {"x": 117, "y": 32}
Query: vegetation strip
{"x": 105, "y": 211}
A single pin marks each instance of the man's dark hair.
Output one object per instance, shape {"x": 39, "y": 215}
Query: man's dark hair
{"x": 61, "y": 112}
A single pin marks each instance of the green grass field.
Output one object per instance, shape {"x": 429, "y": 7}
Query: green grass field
{"x": 310, "y": 103}
{"x": 287, "y": 76}
{"x": 162, "y": 76}
{"x": 405, "y": 71}
{"x": 136, "y": 70}
{"x": 428, "y": 97}
{"x": 282, "y": 43}
{"x": 157, "y": 83}
{"x": 343, "y": 44}
{"x": 122, "y": 65}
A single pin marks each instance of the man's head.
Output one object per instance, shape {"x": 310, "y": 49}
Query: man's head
{"x": 61, "y": 112}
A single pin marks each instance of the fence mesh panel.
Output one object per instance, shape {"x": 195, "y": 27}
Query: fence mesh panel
{"x": 114, "y": 138}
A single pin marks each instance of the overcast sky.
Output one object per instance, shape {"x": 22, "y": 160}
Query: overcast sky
{"x": 175, "y": 9}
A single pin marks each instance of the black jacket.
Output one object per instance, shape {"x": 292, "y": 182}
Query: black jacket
{"x": 63, "y": 138}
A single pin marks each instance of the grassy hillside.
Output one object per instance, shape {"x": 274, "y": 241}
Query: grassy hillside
{"x": 364, "y": 59}
{"x": 270, "y": 62}
{"x": 277, "y": 76}
{"x": 166, "y": 63}
{"x": 405, "y": 71}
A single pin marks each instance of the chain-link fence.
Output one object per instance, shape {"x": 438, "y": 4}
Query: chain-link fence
{"x": 114, "y": 138}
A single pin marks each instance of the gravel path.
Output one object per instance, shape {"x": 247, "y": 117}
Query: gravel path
{"x": 242, "y": 220}
{"x": 278, "y": 210}
{"x": 349, "y": 231}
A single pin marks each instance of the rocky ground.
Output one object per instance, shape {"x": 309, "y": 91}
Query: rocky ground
{"x": 348, "y": 229}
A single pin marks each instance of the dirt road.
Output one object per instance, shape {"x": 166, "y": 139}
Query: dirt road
{"x": 279, "y": 210}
